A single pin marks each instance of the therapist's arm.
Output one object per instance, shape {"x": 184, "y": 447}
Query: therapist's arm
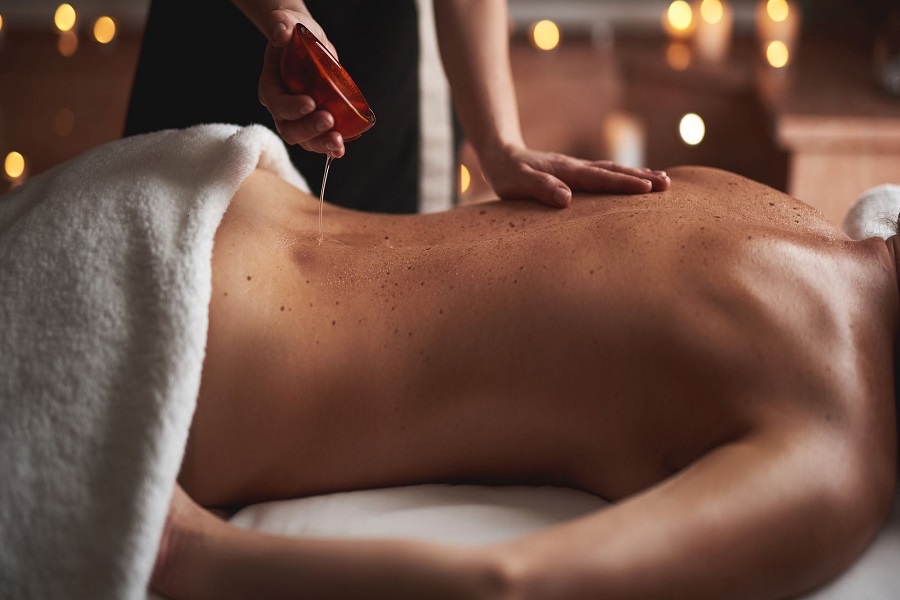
{"x": 474, "y": 42}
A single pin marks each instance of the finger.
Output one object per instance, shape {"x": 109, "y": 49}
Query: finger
{"x": 589, "y": 178}
{"x": 306, "y": 129}
{"x": 286, "y": 107}
{"x": 329, "y": 143}
{"x": 282, "y": 30}
{"x": 659, "y": 179}
{"x": 545, "y": 188}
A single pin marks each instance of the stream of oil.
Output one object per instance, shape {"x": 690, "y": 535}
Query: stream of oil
{"x": 322, "y": 198}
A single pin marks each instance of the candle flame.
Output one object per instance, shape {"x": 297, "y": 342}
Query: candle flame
{"x": 711, "y": 11}
{"x": 778, "y": 10}
{"x": 545, "y": 35}
{"x": 777, "y": 54}
{"x": 680, "y": 15}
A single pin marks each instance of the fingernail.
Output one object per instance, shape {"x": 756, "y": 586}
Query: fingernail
{"x": 279, "y": 28}
{"x": 322, "y": 124}
{"x": 660, "y": 173}
{"x": 560, "y": 196}
{"x": 306, "y": 109}
{"x": 331, "y": 146}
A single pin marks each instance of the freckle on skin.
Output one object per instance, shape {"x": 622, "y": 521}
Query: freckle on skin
{"x": 282, "y": 309}
{"x": 249, "y": 278}
{"x": 333, "y": 322}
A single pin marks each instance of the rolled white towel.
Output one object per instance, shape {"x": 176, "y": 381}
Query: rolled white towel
{"x": 874, "y": 213}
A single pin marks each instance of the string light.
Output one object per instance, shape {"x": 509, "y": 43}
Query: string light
{"x": 680, "y": 15}
{"x": 464, "y": 179}
{"x": 778, "y": 10}
{"x": 104, "y": 30}
{"x": 67, "y": 43}
{"x": 64, "y": 122}
{"x": 65, "y": 17}
{"x": 692, "y": 129}
{"x": 712, "y": 11}
{"x": 545, "y": 35}
{"x": 678, "y": 55}
{"x": 777, "y": 54}
{"x": 14, "y": 165}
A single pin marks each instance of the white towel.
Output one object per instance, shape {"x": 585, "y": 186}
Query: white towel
{"x": 105, "y": 281}
{"x": 874, "y": 213}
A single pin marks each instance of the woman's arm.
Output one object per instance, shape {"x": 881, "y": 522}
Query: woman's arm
{"x": 474, "y": 41}
{"x": 763, "y": 518}
{"x": 201, "y": 556}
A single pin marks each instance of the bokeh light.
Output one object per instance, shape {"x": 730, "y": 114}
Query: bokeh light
{"x": 67, "y": 43}
{"x": 692, "y": 129}
{"x": 465, "y": 178}
{"x": 678, "y": 56}
{"x": 680, "y": 15}
{"x": 14, "y": 165}
{"x": 712, "y": 11}
{"x": 1, "y": 22}
{"x": 778, "y": 10}
{"x": 545, "y": 35}
{"x": 104, "y": 30}
{"x": 65, "y": 17}
{"x": 64, "y": 122}
{"x": 777, "y": 54}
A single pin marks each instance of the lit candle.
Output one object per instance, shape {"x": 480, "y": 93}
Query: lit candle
{"x": 624, "y": 136}
{"x": 713, "y": 37}
{"x": 777, "y": 21}
{"x": 678, "y": 20}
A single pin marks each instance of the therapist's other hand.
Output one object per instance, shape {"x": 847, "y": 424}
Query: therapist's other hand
{"x": 550, "y": 177}
{"x": 296, "y": 118}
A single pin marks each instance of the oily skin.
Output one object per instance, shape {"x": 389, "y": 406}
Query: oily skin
{"x": 689, "y": 348}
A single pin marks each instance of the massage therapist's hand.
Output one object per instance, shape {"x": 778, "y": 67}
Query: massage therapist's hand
{"x": 296, "y": 117}
{"x": 550, "y": 178}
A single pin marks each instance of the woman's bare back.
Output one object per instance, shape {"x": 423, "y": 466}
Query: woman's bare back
{"x": 606, "y": 346}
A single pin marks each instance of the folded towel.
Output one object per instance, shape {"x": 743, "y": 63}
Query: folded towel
{"x": 874, "y": 213}
{"x": 105, "y": 280}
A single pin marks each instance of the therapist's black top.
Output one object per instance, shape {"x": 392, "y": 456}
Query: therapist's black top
{"x": 200, "y": 62}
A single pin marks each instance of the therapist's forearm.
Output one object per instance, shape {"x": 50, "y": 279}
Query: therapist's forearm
{"x": 474, "y": 44}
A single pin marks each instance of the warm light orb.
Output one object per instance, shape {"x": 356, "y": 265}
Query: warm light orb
{"x": 778, "y": 10}
{"x": 104, "y": 30}
{"x": 1, "y": 22}
{"x": 678, "y": 56}
{"x": 465, "y": 178}
{"x": 14, "y": 165}
{"x": 692, "y": 129}
{"x": 67, "y": 43}
{"x": 545, "y": 35}
{"x": 64, "y": 122}
{"x": 680, "y": 15}
{"x": 712, "y": 11}
{"x": 777, "y": 54}
{"x": 65, "y": 17}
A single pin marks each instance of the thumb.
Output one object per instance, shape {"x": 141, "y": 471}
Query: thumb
{"x": 280, "y": 27}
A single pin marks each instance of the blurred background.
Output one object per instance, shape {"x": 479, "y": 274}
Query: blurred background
{"x": 801, "y": 95}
